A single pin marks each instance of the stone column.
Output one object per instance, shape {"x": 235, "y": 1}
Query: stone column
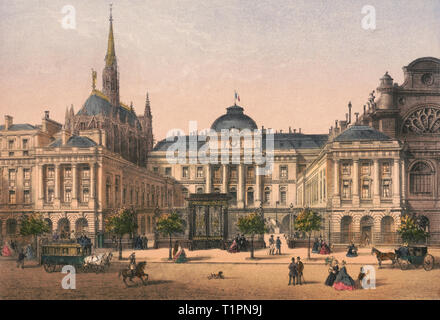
{"x": 403, "y": 180}
{"x": 258, "y": 188}
{"x": 336, "y": 193}
{"x": 240, "y": 186}
{"x": 376, "y": 182}
{"x": 57, "y": 182}
{"x": 92, "y": 184}
{"x": 208, "y": 178}
{"x": 100, "y": 189}
{"x": 40, "y": 182}
{"x": 74, "y": 185}
{"x": 356, "y": 182}
{"x": 396, "y": 182}
{"x": 224, "y": 178}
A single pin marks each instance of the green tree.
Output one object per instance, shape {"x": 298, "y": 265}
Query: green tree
{"x": 412, "y": 230}
{"x": 34, "y": 225}
{"x": 252, "y": 224}
{"x": 122, "y": 221}
{"x": 168, "y": 224}
{"x": 308, "y": 221}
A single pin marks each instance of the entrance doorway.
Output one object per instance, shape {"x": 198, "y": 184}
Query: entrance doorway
{"x": 366, "y": 230}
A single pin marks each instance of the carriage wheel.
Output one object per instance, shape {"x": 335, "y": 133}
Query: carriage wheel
{"x": 428, "y": 262}
{"x": 404, "y": 264}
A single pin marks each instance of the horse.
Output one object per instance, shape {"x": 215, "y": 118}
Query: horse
{"x": 138, "y": 272}
{"x": 382, "y": 256}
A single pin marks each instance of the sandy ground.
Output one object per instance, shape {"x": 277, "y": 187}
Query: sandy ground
{"x": 249, "y": 280}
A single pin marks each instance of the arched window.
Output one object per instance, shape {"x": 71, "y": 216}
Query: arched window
{"x": 267, "y": 195}
{"x": 199, "y": 190}
{"x": 387, "y": 229}
{"x": 346, "y": 229}
{"x": 81, "y": 226}
{"x": 283, "y": 195}
{"x": 250, "y": 196}
{"x": 216, "y": 190}
{"x": 233, "y": 194}
{"x": 50, "y": 224}
{"x": 421, "y": 179}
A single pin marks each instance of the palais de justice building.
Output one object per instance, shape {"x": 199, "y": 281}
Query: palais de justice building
{"x": 361, "y": 176}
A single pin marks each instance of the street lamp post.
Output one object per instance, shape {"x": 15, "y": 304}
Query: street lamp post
{"x": 276, "y": 212}
{"x": 156, "y": 236}
{"x": 290, "y": 220}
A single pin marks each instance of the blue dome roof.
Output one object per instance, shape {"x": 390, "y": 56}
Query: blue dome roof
{"x": 96, "y": 104}
{"x": 234, "y": 118}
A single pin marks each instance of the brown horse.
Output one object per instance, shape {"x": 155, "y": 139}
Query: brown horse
{"x": 139, "y": 272}
{"x": 383, "y": 256}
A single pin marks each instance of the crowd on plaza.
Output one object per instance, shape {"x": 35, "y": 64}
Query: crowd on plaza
{"x": 12, "y": 248}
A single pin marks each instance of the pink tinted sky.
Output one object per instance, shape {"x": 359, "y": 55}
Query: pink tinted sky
{"x": 294, "y": 63}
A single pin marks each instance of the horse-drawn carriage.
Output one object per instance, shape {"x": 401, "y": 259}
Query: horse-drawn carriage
{"x": 416, "y": 256}
{"x": 56, "y": 255}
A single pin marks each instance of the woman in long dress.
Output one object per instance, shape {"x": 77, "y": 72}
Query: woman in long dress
{"x": 343, "y": 281}
{"x": 316, "y": 247}
{"x": 180, "y": 256}
{"x": 324, "y": 248}
{"x": 333, "y": 272}
{"x": 6, "y": 251}
{"x": 234, "y": 247}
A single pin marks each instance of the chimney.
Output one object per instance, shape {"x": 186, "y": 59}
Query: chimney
{"x": 346, "y": 117}
{"x": 357, "y": 116}
{"x": 290, "y": 129}
{"x": 349, "y": 112}
{"x": 365, "y": 109}
{"x": 299, "y": 130}
{"x": 65, "y": 135}
{"x": 46, "y": 115}
{"x": 8, "y": 122}
{"x": 336, "y": 124}
{"x": 294, "y": 130}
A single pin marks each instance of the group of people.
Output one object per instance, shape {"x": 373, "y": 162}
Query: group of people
{"x": 339, "y": 278}
{"x": 296, "y": 270}
{"x": 140, "y": 242}
{"x": 13, "y": 248}
{"x": 85, "y": 242}
{"x": 274, "y": 245}
{"x": 320, "y": 246}
{"x": 238, "y": 244}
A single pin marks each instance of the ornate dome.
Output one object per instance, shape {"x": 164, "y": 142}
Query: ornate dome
{"x": 234, "y": 118}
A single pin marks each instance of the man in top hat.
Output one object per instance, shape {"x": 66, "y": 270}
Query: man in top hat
{"x": 300, "y": 269}
{"x": 293, "y": 272}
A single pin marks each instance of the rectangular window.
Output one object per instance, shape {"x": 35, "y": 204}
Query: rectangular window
{"x": 217, "y": 173}
{"x": 25, "y": 143}
{"x": 68, "y": 173}
{"x": 26, "y": 153}
{"x": 51, "y": 172}
{"x": 365, "y": 168}
{"x": 283, "y": 197}
{"x": 86, "y": 173}
{"x": 27, "y": 196}
{"x": 168, "y": 171}
{"x": 386, "y": 188}
{"x": 266, "y": 196}
{"x": 156, "y": 170}
{"x": 50, "y": 195}
{"x": 250, "y": 173}
{"x": 346, "y": 192}
{"x": 27, "y": 174}
{"x": 85, "y": 195}
{"x": 345, "y": 168}
{"x": 11, "y": 174}
{"x": 185, "y": 172}
{"x": 386, "y": 169}
{"x": 233, "y": 173}
{"x": 11, "y": 144}
{"x": 199, "y": 172}
{"x": 365, "y": 191}
{"x": 67, "y": 195}
{"x": 12, "y": 197}
{"x": 283, "y": 172}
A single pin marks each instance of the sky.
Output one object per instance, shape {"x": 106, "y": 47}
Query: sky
{"x": 294, "y": 63}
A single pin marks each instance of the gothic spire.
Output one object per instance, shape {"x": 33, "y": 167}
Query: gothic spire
{"x": 110, "y": 57}
{"x": 147, "y": 111}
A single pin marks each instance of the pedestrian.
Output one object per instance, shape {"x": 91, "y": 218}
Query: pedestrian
{"x": 271, "y": 245}
{"x": 20, "y": 260}
{"x": 300, "y": 269}
{"x": 144, "y": 242}
{"x": 278, "y": 244}
{"x": 293, "y": 272}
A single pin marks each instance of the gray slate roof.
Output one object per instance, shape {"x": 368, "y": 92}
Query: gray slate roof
{"x": 234, "y": 118}
{"x": 19, "y": 127}
{"x": 361, "y": 133}
{"x": 75, "y": 141}
{"x": 282, "y": 141}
